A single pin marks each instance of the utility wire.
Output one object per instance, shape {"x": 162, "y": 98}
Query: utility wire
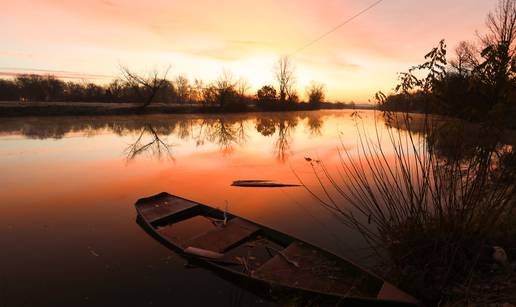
{"x": 337, "y": 27}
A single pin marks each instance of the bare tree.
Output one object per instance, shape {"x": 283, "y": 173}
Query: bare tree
{"x": 225, "y": 85}
{"x": 210, "y": 94}
{"x": 465, "y": 59}
{"x": 501, "y": 25}
{"x": 196, "y": 90}
{"x": 499, "y": 50}
{"x": 183, "y": 89}
{"x": 149, "y": 85}
{"x": 285, "y": 77}
{"x": 242, "y": 86}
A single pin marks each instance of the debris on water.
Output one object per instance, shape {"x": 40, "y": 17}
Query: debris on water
{"x": 261, "y": 184}
{"x": 93, "y": 252}
{"x": 308, "y": 159}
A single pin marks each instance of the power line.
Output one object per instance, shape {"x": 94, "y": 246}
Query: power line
{"x": 337, "y": 27}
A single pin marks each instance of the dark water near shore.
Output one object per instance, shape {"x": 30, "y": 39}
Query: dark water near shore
{"x": 68, "y": 185}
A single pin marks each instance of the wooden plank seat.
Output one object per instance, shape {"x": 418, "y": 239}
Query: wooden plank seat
{"x": 252, "y": 254}
{"x": 159, "y": 208}
{"x": 311, "y": 269}
{"x": 221, "y": 239}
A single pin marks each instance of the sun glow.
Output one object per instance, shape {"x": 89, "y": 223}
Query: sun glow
{"x": 200, "y": 40}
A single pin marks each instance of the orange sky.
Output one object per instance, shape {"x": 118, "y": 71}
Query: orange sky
{"x": 201, "y": 38}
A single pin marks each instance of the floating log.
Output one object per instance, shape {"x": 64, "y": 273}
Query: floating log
{"x": 262, "y": 184}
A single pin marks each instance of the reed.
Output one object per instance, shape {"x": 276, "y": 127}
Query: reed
{"x": 427, "y": 201}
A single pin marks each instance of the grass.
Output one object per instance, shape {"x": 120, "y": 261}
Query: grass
{"x": 429, "y": 204}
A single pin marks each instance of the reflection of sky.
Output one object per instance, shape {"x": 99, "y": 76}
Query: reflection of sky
{"x": 201, "y": 38}
{"x": 64, "y": 196}
{"x": 77, "y": 167}
{"x": 37, "y": 163}
{"x": 78, "y": 162}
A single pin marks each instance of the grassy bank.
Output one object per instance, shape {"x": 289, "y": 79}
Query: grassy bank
{"x": 9, "y": 109}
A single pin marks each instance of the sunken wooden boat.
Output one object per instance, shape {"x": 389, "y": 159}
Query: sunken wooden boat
{"x": 243, "y": 248}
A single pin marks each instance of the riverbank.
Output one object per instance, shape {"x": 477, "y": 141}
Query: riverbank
{"x": 90, "y": 108}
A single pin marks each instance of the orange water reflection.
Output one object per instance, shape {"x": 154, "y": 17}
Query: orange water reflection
{"x": 69, "y": 185}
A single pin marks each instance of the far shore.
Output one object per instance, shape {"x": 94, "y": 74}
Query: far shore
{"x": 17, "y": 108}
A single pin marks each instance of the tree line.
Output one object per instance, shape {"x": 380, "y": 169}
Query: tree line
{"x": 477, "y": 83}
{"x": 226, "y": 92}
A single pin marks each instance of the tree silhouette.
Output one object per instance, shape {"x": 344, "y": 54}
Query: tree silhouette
{"x": 183, "y": 89}
{"x": 465, "y": 59}
{"x": 285, "y": 77}
{"x": 315, "y": 93}
{"x": 146, "y": 87}
{"x": 266, "y": 96}
{"x": 499, "y": 65}
{"x": 226, "y": 88}
{"x": 8, "y": 90}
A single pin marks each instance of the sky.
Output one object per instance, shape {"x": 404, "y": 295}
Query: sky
{"x": 90, "y": 39}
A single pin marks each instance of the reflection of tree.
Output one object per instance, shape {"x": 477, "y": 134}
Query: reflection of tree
{"x": 315, "y": 124}
{"x": 226, "y": 131}
{"x": 452, "y": 139}
{"x": 184, "y": 129}
{"x": 284, "y": 125}
{"x": 223, "y": 132}
{"x": 266, "y": 126}
{"x": 282, "y": 145}
{"x": 150, "y": 140}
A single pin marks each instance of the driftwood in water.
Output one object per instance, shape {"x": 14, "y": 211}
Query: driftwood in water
{"x": 261, "y": 184}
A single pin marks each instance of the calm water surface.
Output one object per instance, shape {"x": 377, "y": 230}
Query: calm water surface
{"x": 68, "y": 185}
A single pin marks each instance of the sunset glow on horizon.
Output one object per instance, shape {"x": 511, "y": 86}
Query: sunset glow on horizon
{"x": 200, "y": 39}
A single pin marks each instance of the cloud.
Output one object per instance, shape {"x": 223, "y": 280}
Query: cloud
{"x": 16, "y": 54}
{"x": 224, "y": 50}
{"x": 328, "y": 60}
{"x": 15, "y": 72}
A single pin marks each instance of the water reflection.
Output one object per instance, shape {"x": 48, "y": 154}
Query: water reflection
{"x": 65, "y": 187}
{"x": 150, "y": 134}
{"x": 150, "y": 140}
{"x": 280, "y": 127}
{"x": 226, "y": 133}
{"x": 456, "y": 140}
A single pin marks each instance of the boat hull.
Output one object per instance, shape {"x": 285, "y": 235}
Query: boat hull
{"x": 245, "y": 250}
